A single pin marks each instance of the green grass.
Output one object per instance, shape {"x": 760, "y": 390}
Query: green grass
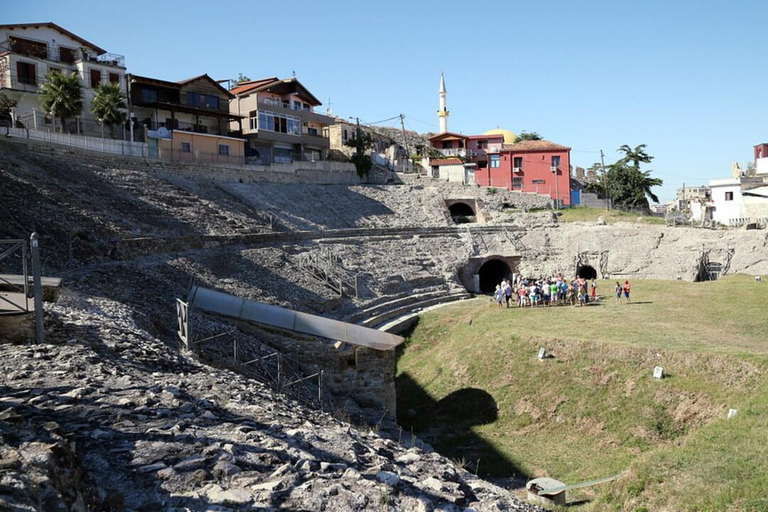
{"x": 586, "y": 214}
{"x": 479, "y": 392}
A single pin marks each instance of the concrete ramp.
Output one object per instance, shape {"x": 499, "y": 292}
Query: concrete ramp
{"x": 275, "y": 316}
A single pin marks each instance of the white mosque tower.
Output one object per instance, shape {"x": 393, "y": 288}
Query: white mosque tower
{"x": 443, "y": 112}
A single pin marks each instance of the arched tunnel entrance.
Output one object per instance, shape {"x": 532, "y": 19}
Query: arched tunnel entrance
{"x": 586, "y": 272}
{"x": 491, "y": 273}
{"x": 462, "y": 213}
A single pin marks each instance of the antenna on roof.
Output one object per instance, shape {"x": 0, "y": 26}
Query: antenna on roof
{"x": 294, "y": 73}
{"x": 328, "y": 110}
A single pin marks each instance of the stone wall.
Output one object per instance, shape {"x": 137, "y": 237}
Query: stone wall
{"x": 363, "y": 375}
{"x": 323, "y": 172}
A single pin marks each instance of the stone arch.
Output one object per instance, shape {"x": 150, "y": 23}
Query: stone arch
{"x": 586, "y": 272}
{"x": 491, "y": 273}
{"x": 464, "y": 210}
{"x": 481, "y": 274}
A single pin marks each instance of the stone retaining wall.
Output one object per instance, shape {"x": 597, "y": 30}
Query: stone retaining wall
{"x": 323, "y": 173}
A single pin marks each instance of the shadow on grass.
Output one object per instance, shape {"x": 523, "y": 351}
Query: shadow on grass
{"x": 447, "y": 425}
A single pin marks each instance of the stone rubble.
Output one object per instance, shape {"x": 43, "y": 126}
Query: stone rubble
{"x": 106, "y": 416}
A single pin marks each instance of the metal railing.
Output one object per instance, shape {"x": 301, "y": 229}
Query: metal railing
{"x": 325, "y": 266}
{"x": 16, "y": 298}
{"x": 247, "y": 355}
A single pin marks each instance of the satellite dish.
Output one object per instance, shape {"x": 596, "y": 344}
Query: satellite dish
{"x": 462, "y": 153}
{"x": 736, "y": 170}
{"x": 163, "y": 132}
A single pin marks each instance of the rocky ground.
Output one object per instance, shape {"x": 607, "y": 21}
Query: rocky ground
{"x": 106, "y": 416}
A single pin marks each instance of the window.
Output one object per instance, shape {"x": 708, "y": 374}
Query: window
{"x": 198, "y": 100}
{"x": 114, "y": 78}
{"x": 495, "y": 161}
{"x": 346, "y": 135}
{"x": 296, "y": 105}
{"x": 729, "y": 196}
{"x": 556, "y": 162}
{"x": 518, "y": 162}
{"x": 447, "y": 144}
{"x": 306, "y": 107}
{"x": 517, "y": 182}
{"x": 312, "y": 131}
{"x": 67, "y": 55}
{"x": 538, "y": 182}
{"x": 186, "y": 147}
{"x": 26, "y": 73}
{"x": 224, "y": 149}
{"x": 148, "y": 95}
{"x": 279, "y": 123}
{"x": 95, "y": 78}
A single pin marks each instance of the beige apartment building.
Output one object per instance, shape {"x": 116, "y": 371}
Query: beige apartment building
{"x": 29, "y": 51}
{"x": 280, "y": 124}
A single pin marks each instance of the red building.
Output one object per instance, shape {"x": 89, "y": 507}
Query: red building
{"x": 538, "y": 166}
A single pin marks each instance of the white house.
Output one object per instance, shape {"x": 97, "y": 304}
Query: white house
{"x": 29, "y": 51}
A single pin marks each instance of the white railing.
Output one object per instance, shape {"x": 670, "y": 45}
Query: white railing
{"x": 115, "y": 147}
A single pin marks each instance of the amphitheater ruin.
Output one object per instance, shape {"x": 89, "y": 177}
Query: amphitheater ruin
{"x": 139, "y": 235}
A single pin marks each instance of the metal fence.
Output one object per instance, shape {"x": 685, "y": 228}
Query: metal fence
{"x": 227, "y": 345}
{"x": 117, "y": 147}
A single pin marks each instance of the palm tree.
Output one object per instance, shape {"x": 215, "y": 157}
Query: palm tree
{"x": 108, "y": 105}
{"x": 62, "y": 96}
{"x": 636, "y": 155}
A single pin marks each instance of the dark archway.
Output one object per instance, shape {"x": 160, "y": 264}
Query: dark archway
{"x": 491, "y": 273}
{"x": 587, "y": 272}
{"x": 462, "y": 213}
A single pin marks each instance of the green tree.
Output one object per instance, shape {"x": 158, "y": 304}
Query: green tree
{"x": 524, "y": 135}
{"x": 363, "y": 143}
{"x": 62, "y": 96}
{"x": 635, "y": 156}
{"x": 626, "y": 184}
{"x": 109, "y": 106}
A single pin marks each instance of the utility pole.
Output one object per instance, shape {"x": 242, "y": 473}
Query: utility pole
{"x": 405, "y": 140}
{"x": 605, "y": 182}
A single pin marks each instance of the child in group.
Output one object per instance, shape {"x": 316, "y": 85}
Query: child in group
{"x": 582, "y": 294}
{"x": 626, "y": 289}
{"x": 594, "y": 290}
{"x": 617, "y": 292}
{"x": 554, "y": 291}
{"x": 499, "y": 295}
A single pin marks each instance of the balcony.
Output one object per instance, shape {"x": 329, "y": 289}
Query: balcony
{"x": 188, "y": 127}
{"x": 452, "y": 151}
{"x": 64, "y": 55}
{"x": 282, "y": 107}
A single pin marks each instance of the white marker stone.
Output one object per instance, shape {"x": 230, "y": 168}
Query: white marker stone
{"x": 732, "y": 413}
{"x": 658, "y": 372}
{"x": 758, "y": 279}
{"x": 542, "y": 353}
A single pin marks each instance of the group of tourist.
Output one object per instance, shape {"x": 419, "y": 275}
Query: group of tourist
{"x": 552, "y": 291}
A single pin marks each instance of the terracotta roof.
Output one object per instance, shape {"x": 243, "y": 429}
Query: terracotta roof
{"x": 267, "y": 83}
{"x": 446, "y": 135}
{"x": 534, "y": 145}
{"x": 59, "y": 29}
{"x": 246, "y": 87}
{"x": 445, "y": 161}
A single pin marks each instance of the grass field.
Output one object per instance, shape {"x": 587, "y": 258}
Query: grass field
{"x": 581, "y": 213}
{"x": 470, "y": 383}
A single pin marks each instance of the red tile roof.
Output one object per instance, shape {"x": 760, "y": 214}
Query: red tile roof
{"x": 534, "y": 145}
{"x": 445, "y": 161}
{"x": 246, "y": 87}
{"x": 447, "y": 135}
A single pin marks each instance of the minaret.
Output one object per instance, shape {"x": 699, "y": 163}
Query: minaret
{"x": 443, "y": 112}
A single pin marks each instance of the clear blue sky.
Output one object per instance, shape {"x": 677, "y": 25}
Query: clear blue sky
{"x": 687, "y": 78}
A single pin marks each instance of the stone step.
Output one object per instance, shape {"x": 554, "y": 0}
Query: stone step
{"x": 403, "y": 300}
{"x": 381, "y": 318}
